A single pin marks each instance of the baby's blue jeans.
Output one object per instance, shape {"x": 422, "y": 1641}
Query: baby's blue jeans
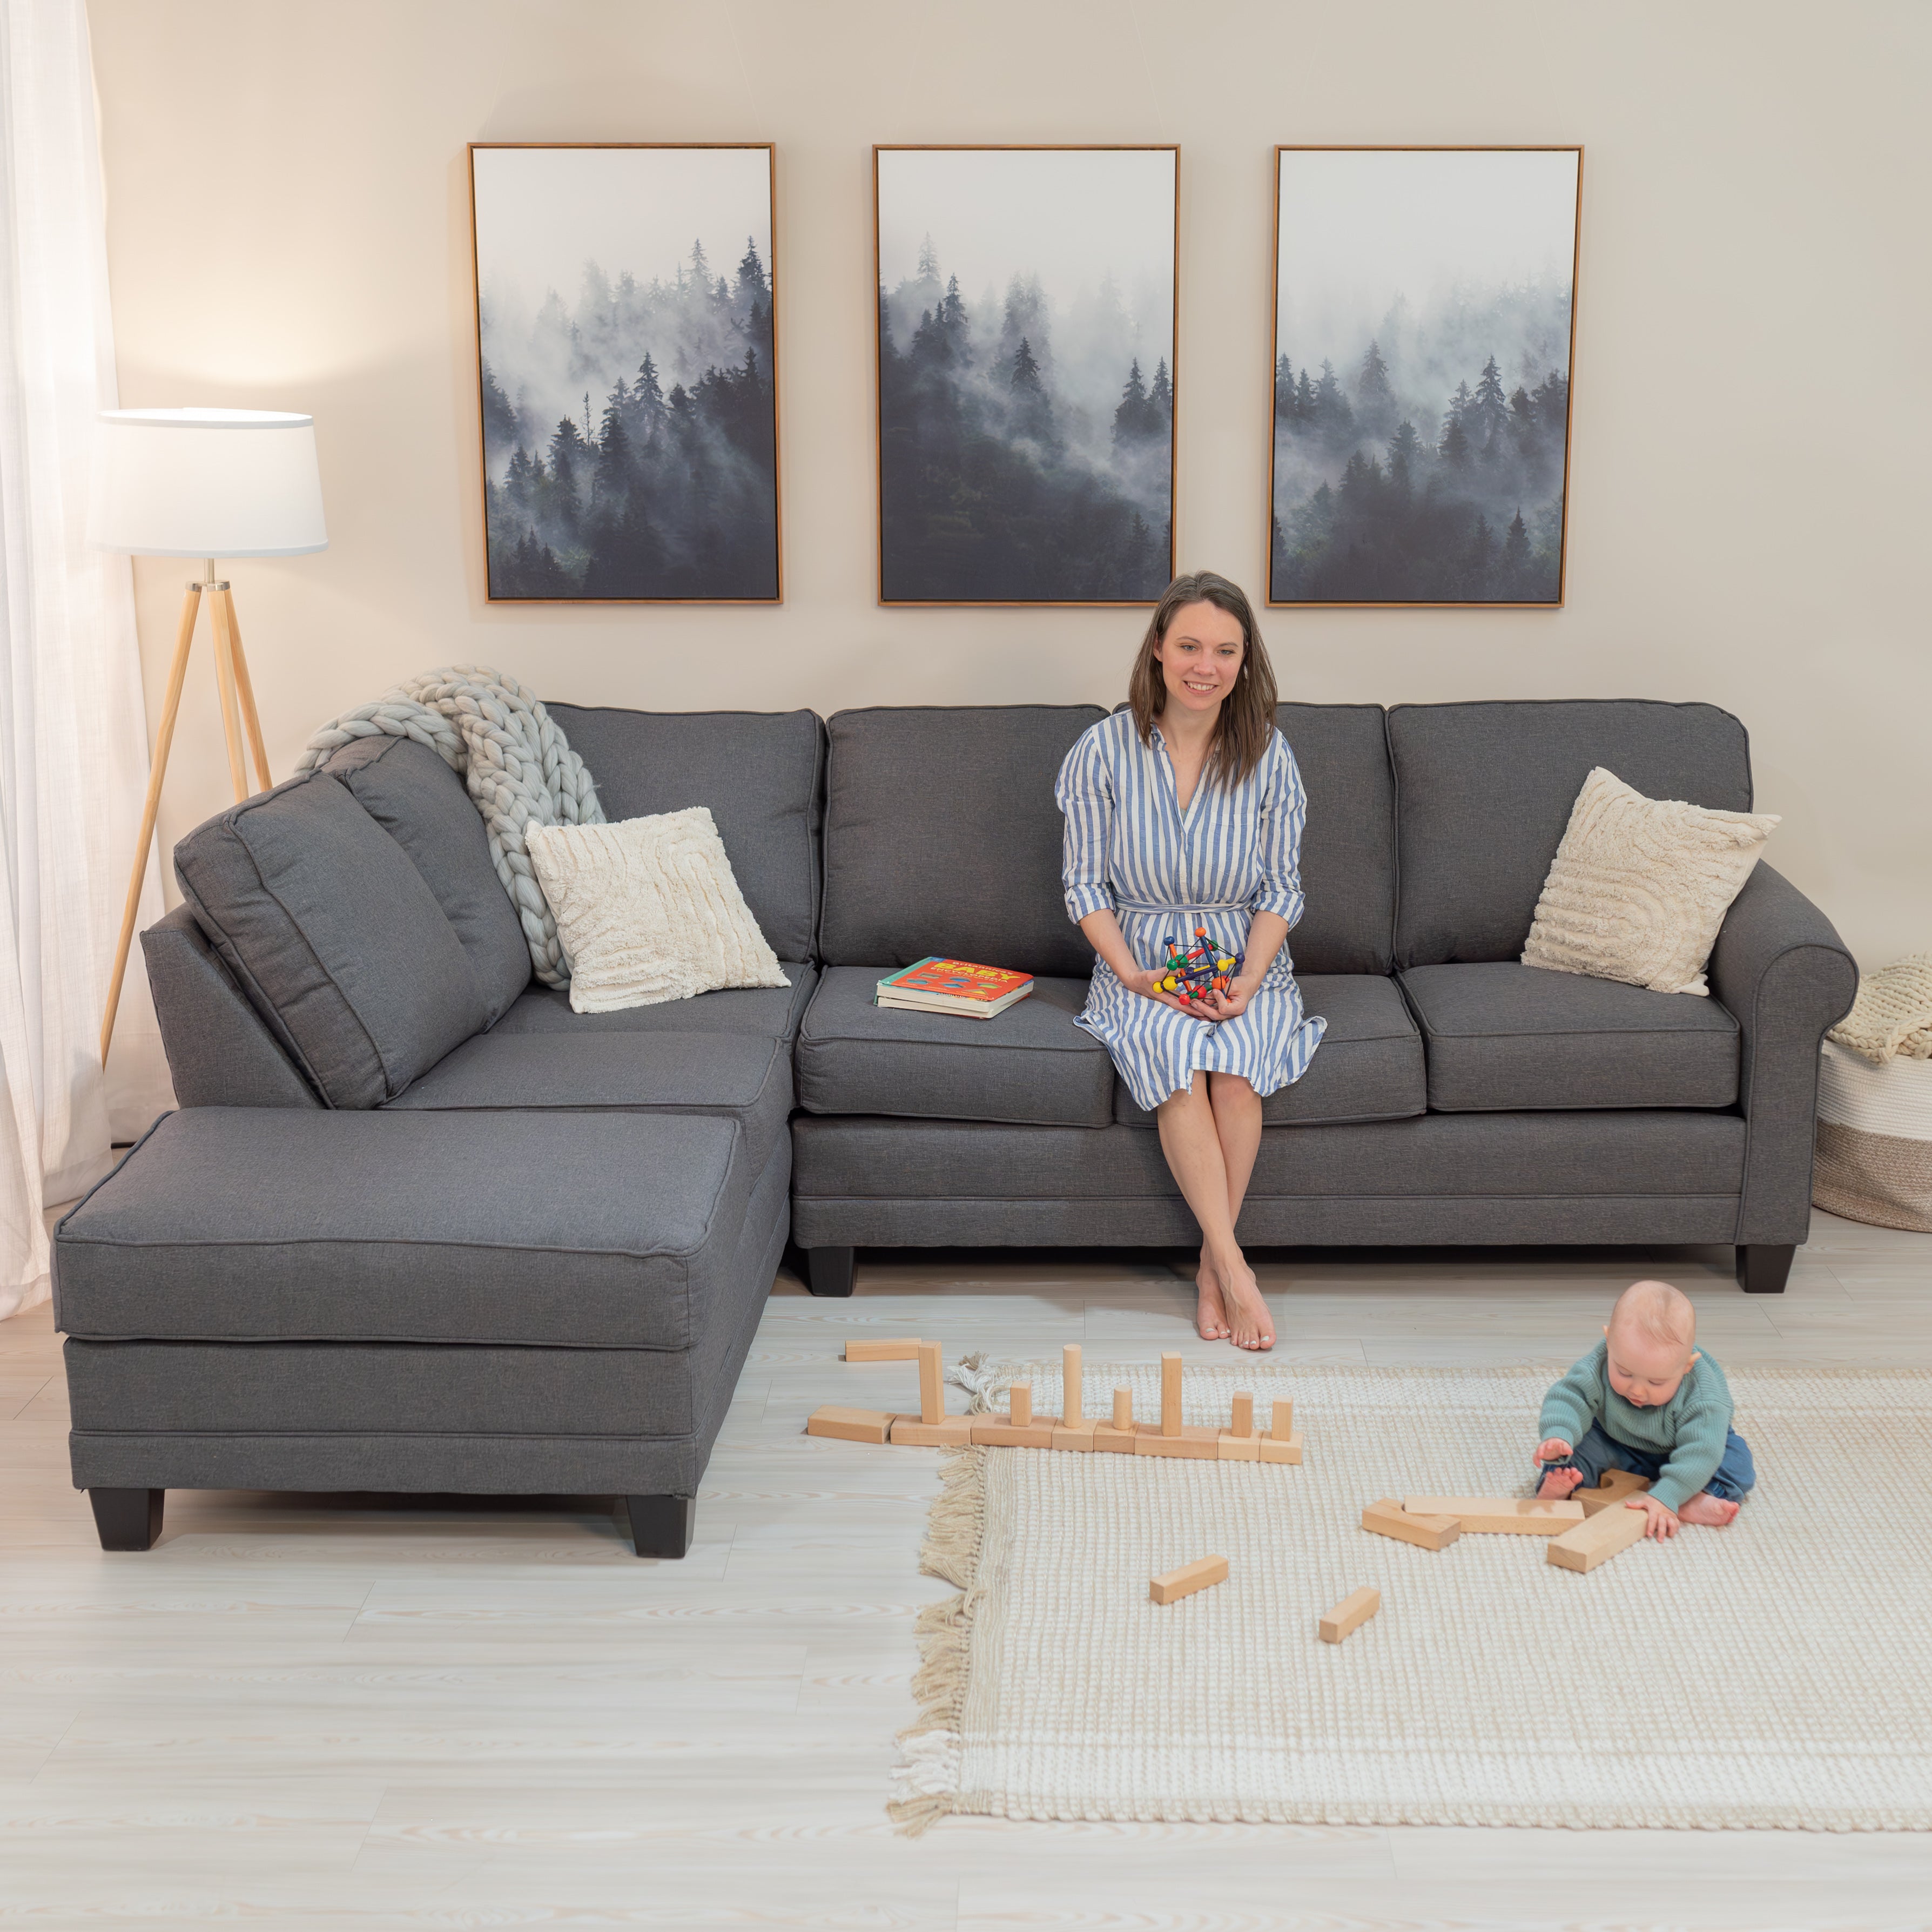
{"x": 1597, "y": 1452}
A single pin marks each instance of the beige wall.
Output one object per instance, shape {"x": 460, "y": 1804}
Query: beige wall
{"x": 288, "y": 228}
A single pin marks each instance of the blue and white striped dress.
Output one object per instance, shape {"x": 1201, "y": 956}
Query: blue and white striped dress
{"x": 1130, "y": 847}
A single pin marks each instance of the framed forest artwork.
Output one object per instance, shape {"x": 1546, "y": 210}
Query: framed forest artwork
{"x": 1425, "y": 315}
{"x": 624, "y": 299}
{"x": 1026, "y": 319}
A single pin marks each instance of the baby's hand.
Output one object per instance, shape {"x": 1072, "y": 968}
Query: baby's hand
{"x": 1663, "y": 1521}
{"x": 1554, "y": 1450}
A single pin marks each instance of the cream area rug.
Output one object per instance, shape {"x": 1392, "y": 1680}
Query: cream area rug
{"x": 1776, "y": 1673}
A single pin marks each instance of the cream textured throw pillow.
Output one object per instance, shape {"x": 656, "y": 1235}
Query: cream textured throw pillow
{"x": 1641, "y": 885}
{"x": 648, "y": 910}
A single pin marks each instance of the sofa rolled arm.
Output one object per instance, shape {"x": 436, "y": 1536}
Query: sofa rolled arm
{"x": 1784, "y": 974}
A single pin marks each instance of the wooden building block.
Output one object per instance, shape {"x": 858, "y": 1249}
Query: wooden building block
{"x": 1124, "y": 1409}
{"x": 1170, "y": 1394}
{"x": 1597, "y": 1538}
{"x": 1019, "y": 1405}
{"x": 1078, "y": 1436}
{"x": 1272, "y": 1450}
{"x": 1500, "y": 1516}
{"x": 1350, "y": 1614}
{"x": 1616, "y": 1485}
{"x": 1117, "y": 1441}
{"x": 1071, "y": 1409}
{"x": 1242, "y": 1421}
{"x": 1202, "y": 1445}
{"x": 884, "y": 1348}
{"x": 1198, "y": 1575}
{"x": 997, "y": 1433}
{"x": 912, "y": 1432}
{"x": 1239, "y": 1448}
{"x": 1281, "y": 1424}
{"x": 1388, "y": 1518}
{"x": 931, "y": 1384}
{"x": 850, "y": 1425}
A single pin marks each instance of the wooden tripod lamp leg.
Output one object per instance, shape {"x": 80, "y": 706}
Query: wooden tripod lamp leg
{"x": 245, "y": 691}
{"x": 157, "y": 771}
{"x": 224, "y": 677}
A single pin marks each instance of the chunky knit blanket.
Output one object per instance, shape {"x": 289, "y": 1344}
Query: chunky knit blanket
{"x": 518, "y": 766}
{"x": 1892, "y": 1015}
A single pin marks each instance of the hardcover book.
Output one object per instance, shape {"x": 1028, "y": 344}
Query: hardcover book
{"x": 934, "y": 984}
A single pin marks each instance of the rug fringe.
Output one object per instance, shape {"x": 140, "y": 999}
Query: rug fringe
{"x": 926, "y": 1784}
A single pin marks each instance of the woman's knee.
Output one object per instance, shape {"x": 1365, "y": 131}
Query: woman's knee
{"x": 1231, "y": 1090}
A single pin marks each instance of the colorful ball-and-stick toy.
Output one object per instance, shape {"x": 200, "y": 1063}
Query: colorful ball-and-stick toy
{"x": 1203, "y": 968}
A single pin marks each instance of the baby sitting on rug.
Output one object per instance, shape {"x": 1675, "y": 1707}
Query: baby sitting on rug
{"x": 1644, "y": 1399}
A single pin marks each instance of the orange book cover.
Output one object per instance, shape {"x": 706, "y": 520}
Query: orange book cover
{"x": 956, "y": 980}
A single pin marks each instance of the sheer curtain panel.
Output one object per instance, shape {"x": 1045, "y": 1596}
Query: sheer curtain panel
{"x": 73, "y": 746}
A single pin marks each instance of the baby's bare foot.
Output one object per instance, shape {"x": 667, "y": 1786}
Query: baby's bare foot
{"x": 1210, "y": 1318}
{"x": 1558, "y": 1482}
{"x": 1706, "y": 1508}
{"x": 1248, "y": 1315}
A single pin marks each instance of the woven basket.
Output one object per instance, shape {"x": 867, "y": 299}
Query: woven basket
{"x": 1874, "y": 1159}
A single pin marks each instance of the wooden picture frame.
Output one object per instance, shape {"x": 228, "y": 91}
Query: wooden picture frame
{"x": 1376, "y": 235}
{"x": 595, "y": 491}
{"x": 1010, "y": 472}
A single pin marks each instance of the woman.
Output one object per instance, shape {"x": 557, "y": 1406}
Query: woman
{"x": 1184, "y": 811}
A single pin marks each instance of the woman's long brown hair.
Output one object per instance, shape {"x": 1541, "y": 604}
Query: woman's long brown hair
{"x": 1246, "y": 719}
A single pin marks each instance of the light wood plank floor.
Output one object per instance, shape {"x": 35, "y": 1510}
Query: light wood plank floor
{"x": 311, "y": 1711}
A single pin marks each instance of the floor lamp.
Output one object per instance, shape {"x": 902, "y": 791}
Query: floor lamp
{"x": 206, "y": 483}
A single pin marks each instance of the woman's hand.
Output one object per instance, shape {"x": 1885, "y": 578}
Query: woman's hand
{"x": 1145, "y": 980}
{"x": 1232, "y": 1004}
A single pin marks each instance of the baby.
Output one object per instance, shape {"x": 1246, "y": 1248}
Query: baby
{"x": 1644, "y": 1399}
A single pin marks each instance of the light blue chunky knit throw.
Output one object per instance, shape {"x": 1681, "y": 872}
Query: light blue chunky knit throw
{"x": 518, "y": 765}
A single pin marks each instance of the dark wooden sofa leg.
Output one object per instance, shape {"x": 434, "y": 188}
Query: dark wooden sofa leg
{"x": 127, "y": 1519}
{"x": 1764, "y": 1270}
{"x": 829, "y": 1271}
{"x": 661, "y": 1526}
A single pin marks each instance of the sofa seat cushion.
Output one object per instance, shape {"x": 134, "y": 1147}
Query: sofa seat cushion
{"x": 1502, "y": 1036}
{"x": 774, "y": 1014}
{"x": 1030, "y": 1064}
{"x": 746, "y": 1077}
{"x": 1368, "y": 1067}
{"x": 546, "y": 1227}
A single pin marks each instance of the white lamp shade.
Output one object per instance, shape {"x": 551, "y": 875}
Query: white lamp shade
{"x": 207, "y": 483}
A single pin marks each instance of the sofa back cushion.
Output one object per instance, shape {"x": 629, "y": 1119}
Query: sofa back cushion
{"x": 1348, "y": 849}
{"x": 335, "y": 936}
{"x": 760, "y": 774}
{"x": 1484, "y": 792}
{"x": 941, "y": 835}
{"x": 427, "y": 809}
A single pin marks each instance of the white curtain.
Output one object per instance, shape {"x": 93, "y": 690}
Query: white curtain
{"x": 73, "y": 748}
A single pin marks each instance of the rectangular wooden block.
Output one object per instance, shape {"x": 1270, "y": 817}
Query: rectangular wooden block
{"x": 1281, "y": 1425}
{"x": 1274, "y": 1451}
{"x": 1596, "y": 1540}
{"x": 1198, "y": 1575}
{"x": 1116, "y": 1441}
{"x": 1388, "y": 1518}
{"x": 1203, "y": 1444}
{"x": 1170, "y": 1394}
{"x": 1350, "y": 1614}
{"x": 850, "y": 1425}
{"x": 1617, "y": 1484}
{"x": 1071, "y": 1409}
{"x": 1019, "y": 1405}
{"x": 997, "y": 1433}
{"x": 1242, "y": 1422}
{"x": 1239, "y": 1448}
{"x": 950, "y": 1432}
{"x": 1500, "y": 1516}
{"x": 1076, "y": 1435}
{"x": 1124, "y": 1409}
{"x": 931, "y": 1384}
{"x": 883, "y": 1349}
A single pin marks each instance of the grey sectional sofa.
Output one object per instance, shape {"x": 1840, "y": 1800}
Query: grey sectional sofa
{"x": 417, "y": 1226}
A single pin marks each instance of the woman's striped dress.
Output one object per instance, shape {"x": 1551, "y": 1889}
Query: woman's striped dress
{"x": 1129, "y": 847}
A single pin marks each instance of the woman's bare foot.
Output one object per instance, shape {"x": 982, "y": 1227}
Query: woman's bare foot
{"x": 1558, "y": 1482}
{"x": 1250, "y": 1324}
{"x": 1210, "y": 1318}
{"x": 1707, "y": 1509}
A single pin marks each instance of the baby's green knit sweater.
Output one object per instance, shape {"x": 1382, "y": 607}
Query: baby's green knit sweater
{"x": 1690, "y": 1429}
